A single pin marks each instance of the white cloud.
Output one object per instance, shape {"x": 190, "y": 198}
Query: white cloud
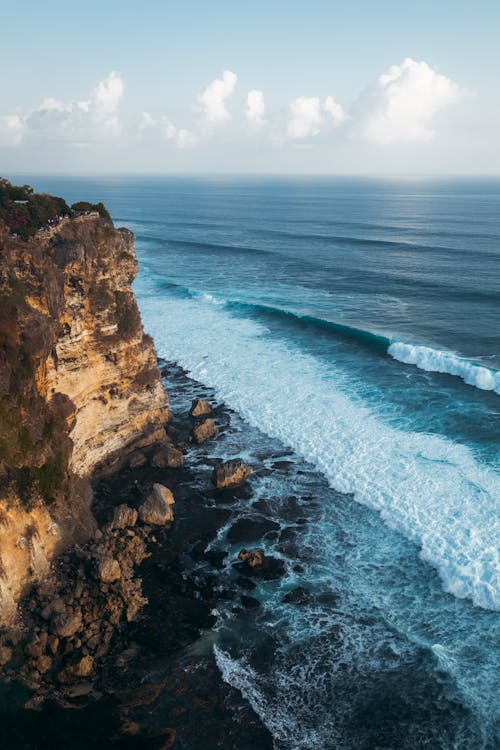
{"x": 147, "y": 122}
{"x": 76, "y": 122}
{"x": 181, "y": 137}
{"x": 255, "y": 107}
{"x": 308, "y": 116}
{"x": 106, "y": 96}
{"x": 212, "y": 99}
{"x": 335, "y": 110}
{"x": 11, "y": 130}
{"x": 401, "y": 104}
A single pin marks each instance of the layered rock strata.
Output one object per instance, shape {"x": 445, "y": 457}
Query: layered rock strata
{"x": 80, "y": 391}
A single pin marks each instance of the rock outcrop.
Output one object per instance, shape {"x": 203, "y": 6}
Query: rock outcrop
{"x": 80, "y": 391}
{"x": 230, "y": 473}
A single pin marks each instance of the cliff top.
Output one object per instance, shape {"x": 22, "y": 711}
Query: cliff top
{"x": 25, "y": 212}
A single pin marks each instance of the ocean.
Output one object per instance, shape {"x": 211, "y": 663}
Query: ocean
{"x": 354, "y": 323}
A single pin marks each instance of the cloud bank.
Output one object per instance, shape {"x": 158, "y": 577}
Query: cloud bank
{"x": 401, "y": 105}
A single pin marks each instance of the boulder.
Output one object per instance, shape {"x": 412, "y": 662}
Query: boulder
{"x": 167, "y": 458}
{"x": 124, "y": 516}
{"x": 256, "y": 563}
{"x": 157, "y": 509}
{"x": 254, "y": 557}
{"x": 200, "y": 408}
{"x": 230, "y": 473}
{"x": 43, "y": 663}
{"x": 5, "y": 655}
{"x": 249, "y": 602}
{"x": 84, "y": 667}
{"x": 108, "y": 570}
{"x": 250, "y": 529}
{"x": 66, "y": 625}
{"x": 203, "y": 431}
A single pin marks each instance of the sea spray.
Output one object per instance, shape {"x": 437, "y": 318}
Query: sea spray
{"x": 427, "y": 487}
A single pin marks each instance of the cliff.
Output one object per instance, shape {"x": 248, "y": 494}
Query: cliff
{"x": 80, "y": 391}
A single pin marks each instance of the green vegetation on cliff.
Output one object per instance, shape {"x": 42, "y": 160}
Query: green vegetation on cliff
{"x": 25, "y": 212}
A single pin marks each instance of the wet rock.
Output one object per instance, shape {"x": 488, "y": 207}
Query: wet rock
{"x": 167, "y": 458}
{"x": 249, "y": 602}
{"x": 250, "y": 529}
{"x": 254, "y": 557}
{"x": 246, "y": 583}
{"x": 108, "y": 570}
{"x": 200, "y": 408}
{"x": 203, "y": 431}
{"x": 66, "y": 625}
{"x": 299, "y": 596}
{"x": 256, "y": 563}
{"x": 230, "y": 473}
{"x": 124, "y": 516}
{"x": 158, "y": 508}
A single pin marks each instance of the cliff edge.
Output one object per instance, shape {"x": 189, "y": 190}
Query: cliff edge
{"x": 80, "y": 391}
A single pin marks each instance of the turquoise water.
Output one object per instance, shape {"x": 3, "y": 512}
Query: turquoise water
{"x": 355, "y": 321}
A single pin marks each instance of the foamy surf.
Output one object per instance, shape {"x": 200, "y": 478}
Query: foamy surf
{"x": 433, "y": 360}
{"x": 428, "y": 488}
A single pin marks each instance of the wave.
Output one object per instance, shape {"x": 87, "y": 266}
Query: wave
{"x": 434, "y": 360}
{"x": 423, "y": 357}
{"x": 428, "y": 488}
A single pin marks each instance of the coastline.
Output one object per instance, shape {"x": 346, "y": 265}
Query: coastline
{"x": 159, "y": 683}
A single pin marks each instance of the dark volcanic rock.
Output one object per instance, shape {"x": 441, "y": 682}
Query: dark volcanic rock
{"x": 249, "y": 602}
{"x": 250, "y": 529}
{"x": 299, "y": 596}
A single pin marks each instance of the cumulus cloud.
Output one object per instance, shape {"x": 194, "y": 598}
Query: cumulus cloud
{"x": 181, "y": 137}
{"x": 74, "y": 122}
{"x": 255, "y": 107}
{"x": 401, "y": 104}
{"x": 308, "y": 116}
{"x": 11, "y": 130}
{"x": 335, "y": 110}
{"x": 212, "y": 100}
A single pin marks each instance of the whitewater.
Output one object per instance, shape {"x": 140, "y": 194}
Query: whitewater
{"x": 428, "y": 488}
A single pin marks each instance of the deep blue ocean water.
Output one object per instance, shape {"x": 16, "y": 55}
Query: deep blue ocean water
{"x": 356, "y": 321}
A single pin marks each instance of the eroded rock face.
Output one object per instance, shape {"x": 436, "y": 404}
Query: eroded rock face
{"x": 80, "y": 391}
{"x": 230, "y": 473}
{"x": 158, "y": 508}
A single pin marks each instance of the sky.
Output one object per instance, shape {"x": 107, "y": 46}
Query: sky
{"x": 275, "y": 87}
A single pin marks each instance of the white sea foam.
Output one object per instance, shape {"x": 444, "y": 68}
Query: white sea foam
{"x": 433, "y": 360}
{"x": 426, "y": 487}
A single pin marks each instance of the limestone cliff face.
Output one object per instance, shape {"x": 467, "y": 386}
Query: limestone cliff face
{"x": 79, "y": 387}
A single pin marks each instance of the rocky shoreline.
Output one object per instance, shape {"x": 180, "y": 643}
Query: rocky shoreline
{"x": 114, "y": 647}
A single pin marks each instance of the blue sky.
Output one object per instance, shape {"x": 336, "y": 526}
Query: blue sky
{"x": 359, "y": 87}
